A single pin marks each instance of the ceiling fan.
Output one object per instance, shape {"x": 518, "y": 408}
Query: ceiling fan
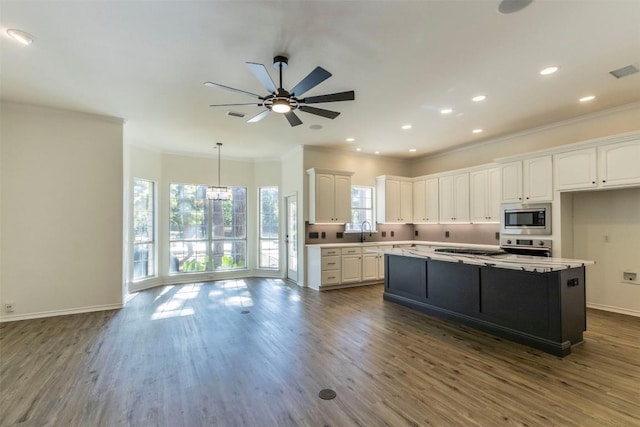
{"x": 286, "y": 102}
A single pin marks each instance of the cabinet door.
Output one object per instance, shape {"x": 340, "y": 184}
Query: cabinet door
{"x": 369, "y": 267}
{"x": 495, "y": 194}
{"x": 392, "y": 201}
{"x": 380, "y": 266}
{"x": 479, "y": 188}
{"x": 512, "y": 182}
{"x": 537, "y": 179}
{"x": 432, "y": 200}
{"x": 461, "y": 198}
{"x": 446, "y": 190}
{"x": 406, "y": 201}
{"x": 342, "y": 194}
{"x": 575, "y": 169}
{"x": 420, "y": 201}
{"x": 351, "y": 268}
{"x": 619, "y": 163}
{"x": 325, "y": 198}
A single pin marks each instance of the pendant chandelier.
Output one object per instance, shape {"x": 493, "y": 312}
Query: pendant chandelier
{"x": 218, "y": 192}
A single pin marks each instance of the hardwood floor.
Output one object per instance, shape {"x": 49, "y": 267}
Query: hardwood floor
{"x": 257, "y": 352}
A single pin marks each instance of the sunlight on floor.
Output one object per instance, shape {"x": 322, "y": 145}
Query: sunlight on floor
{"x": 232, "y": 293}
{"x": 175, "y": 305}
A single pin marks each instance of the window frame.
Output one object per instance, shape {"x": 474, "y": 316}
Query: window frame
{"x": 260, "y": 237}
{"x": 356, "y": 227}
{"x": 151, "y": 243}
{"x": 208, "y": 244}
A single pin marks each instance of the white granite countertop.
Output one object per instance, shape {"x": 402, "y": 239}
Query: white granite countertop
{"x": 417, "y": 243}
{"x": 508, "y": 261}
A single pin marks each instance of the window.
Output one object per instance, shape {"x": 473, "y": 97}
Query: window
{"x": 268, "y": 244}
{"x": 206, "y": 235}
{"x": 361, "y": 208}
{"x": 143, "y": 229}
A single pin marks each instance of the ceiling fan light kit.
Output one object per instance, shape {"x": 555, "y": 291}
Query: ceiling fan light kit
{"x": 286, "y": 102}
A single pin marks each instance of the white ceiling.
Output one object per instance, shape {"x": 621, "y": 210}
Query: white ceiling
{"x": 146, "y": 61}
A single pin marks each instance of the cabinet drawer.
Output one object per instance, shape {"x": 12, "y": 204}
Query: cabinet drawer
{"x": 330, "y": 251}
{"x": 331, "y": 277}
{"x": 351, "y": 251}
{"x": 331, "y": 262}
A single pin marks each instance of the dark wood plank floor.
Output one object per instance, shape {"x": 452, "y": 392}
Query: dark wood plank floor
{"x": 257, "y": 352}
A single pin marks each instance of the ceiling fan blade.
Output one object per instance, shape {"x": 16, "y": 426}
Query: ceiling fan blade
{"x": 219, "y": 86}
{"x": 262, "y": 74}
{"x": 259, "y": 117}
{"x": 293, "y": 119}
{"x": 319, "y": 112}
{"x": 231, "y": 105}
{"x": 332, "y": 97}
{"x": 313, "y": 79}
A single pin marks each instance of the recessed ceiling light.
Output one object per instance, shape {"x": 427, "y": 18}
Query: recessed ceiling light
{"x": 446, "y": 111}
{"x": 412, "y": 150}
{"x": 350, "y": 139}
{"x": 548, "y": 70}
{"x": 358, "y": 149}
{"x": 377, "y": 152}
{"x": 479, "y": 98}
{"x": 405, "y": 127}
{"x": 21, "y": 36}
{"x": 477, "y": 131}
{"x": 587, "y": 98}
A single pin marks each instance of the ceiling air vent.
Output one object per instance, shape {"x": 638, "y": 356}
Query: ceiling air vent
{"x": 624, "y": 71}
{"x": 235, "y": 114}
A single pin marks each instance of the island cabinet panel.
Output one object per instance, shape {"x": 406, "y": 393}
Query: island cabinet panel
{"x": 453, "y": 288}
{"x": 521, "y": 304}
{"x": 545, "y": 310}
{"x": 406, "y": 277}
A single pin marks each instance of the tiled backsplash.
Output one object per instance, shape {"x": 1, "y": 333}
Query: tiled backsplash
{"x": 457, "y": 233}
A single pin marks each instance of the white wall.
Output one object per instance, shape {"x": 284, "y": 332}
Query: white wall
{"x": 61, "y": 211}
{"x": 621, "y": 120}
{"x": 606, "y": 229}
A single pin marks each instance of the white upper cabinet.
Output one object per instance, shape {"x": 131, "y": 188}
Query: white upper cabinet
{"x": 619, "y": 164}
{"x": 528, "y": 181}
{"x": 454, "y": 198}
{"x": 395, "y": 200}
{"x": 485, "y": 195}
{"x": 610, "y": 165}
{"x": 329, "y": 196}
{"x": 425, "y": 201}
{"x": 574, "y": 170}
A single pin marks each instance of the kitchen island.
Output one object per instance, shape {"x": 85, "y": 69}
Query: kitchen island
{"x": 539, "y": 302}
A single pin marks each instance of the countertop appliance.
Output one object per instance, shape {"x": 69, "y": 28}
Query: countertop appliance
{"x": 522, "y": 245}
{"x": 530, "y": 219}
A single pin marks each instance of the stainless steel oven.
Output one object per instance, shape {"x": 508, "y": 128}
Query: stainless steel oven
{"x": 520, "y": 245}
{"x": 525, "y": 219}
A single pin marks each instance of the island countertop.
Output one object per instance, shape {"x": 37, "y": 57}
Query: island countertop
{"x": 506, "y": 261}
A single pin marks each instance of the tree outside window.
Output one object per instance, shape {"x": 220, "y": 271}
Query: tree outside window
{"x": 143, "y": 229}
{"x": 207, "y": 235}
{"x": 268, "y": 245}
{"x": 361, "y": 208}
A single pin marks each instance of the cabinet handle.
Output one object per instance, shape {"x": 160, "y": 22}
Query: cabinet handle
{"x": 331, "y": 263}
{"x": 527, "y": 198}
{"x": 604, "y": 180}
{"x": 331, "y": 277}
{"x": 519, "y": 198}
{"x": 593, "y": 182}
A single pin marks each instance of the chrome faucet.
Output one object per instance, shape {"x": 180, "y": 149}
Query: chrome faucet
{"x": 362, "y": 230}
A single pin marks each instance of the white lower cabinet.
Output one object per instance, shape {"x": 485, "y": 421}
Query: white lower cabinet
{"x": 351, "y": 265}
{"x": 344, "y": 266}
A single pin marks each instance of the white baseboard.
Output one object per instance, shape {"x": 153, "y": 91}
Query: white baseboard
{"x": 52, "y": 313}
{"x": 613, "y": 309}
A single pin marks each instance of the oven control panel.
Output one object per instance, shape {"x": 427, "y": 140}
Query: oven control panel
{"x": 519, "y": 242}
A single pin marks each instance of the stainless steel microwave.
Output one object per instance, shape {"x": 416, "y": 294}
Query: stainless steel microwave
{"x": 525, "y": 219}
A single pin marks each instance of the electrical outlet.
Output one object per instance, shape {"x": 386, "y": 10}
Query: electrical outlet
{"x": 630, "y": 277}
{"x": 324, "y": 234}
{"x": 393, "y": 234}
{"x": 415, "y": 233}
{"x": 384, "y": 234}
{"x": 9, "y": 307}
{"x": 446, "y": 234}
